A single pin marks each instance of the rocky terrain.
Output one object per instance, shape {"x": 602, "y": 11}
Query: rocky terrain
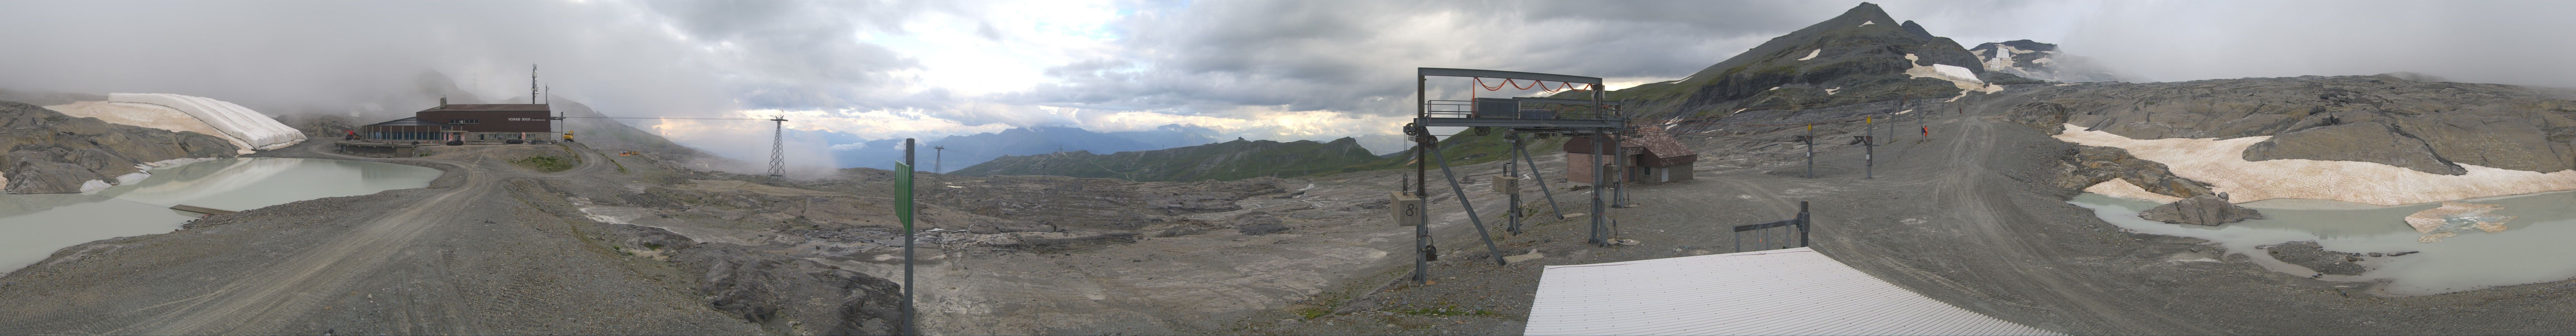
{"x": 2207, "y": 209}
{"x": 1967, "y": 205}
{"x": 2431, "y": 127}
{"x": 48, "y": 152}
{"x": 1224, "y": 161}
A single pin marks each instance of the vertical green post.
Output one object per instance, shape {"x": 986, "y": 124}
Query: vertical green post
{"x": 903, "y": 212}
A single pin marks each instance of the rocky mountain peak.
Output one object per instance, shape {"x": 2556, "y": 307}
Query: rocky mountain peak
{"x": 1864, "y": 13}
{"x": 1862, "y": 55}
{"x": 1916, "y": 29}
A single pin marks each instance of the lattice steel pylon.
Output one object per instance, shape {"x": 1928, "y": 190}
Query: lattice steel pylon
{"x": 778, "y": 148}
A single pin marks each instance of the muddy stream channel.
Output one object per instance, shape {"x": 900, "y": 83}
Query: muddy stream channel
{"x": 33, "y": 226}
{"x": 2533, "y": 246}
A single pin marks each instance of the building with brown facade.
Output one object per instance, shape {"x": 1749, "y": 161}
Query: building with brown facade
{"x": 469, "y": 122}
{"x": 1651, "y": 158}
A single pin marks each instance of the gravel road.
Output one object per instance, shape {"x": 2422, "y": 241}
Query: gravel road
{"x": 468, "y": 255}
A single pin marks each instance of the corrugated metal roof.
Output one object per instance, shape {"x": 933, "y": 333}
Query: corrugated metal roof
{"x": 407, "y": 122}
{"x": 1778, "y": 292}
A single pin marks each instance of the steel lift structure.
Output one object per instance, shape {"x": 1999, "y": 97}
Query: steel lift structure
{"x": 1553, "y": 116}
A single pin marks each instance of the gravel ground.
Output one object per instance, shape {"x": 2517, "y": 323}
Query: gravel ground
{"x": 1967, "y": 216}
{"x": 469, "y": 255}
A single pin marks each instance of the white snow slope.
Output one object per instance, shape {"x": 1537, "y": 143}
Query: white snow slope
{"x": 2221, "y": 163}
{"x": 234, "y": 121}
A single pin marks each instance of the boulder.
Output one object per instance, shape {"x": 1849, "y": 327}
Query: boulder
{"x": 2201, "y": 210}
{"x": 774, "y": 290}
{"x": 2309, "y": 254}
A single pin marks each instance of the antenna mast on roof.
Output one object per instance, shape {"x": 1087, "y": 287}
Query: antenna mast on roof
{"x": 532, "y": 83}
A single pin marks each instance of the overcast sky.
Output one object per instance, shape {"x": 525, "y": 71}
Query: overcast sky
{"x": 1261, "y": 70}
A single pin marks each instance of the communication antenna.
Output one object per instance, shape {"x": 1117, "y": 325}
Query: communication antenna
{"x": 532, "y": 83}
{"x": 778, "y": 147}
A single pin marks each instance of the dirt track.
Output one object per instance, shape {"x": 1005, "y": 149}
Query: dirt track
{"x": 466, "y": 256}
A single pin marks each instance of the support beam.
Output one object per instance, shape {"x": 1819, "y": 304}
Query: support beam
{"x": 1542, "y": 181}
{"x": 1510, "y": 162}
{"x": 1472, "y": 218}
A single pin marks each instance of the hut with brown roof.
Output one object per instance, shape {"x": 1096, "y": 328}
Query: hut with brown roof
{"x": 1648, "y": 159}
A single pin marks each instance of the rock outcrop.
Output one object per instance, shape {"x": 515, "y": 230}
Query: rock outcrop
{"x": 2427, "y": 126}
{"x": 793, "y": 295}
{"x": 2309, "y": 254}
{"x": 2200, "y": 210}
{"x": 2367, "y": 142}
{"x": 48, "y": 152}
{"x": 2090, "y": 165}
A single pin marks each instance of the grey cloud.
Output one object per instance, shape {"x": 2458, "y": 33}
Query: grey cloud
{"x": 644, "y": 58}
{"x": 1356, "y": 56}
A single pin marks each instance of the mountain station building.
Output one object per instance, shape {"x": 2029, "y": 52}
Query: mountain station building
{"x": 468, "y": 122}
{"x": 1647, "y": 159}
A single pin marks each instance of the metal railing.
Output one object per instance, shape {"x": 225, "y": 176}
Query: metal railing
{"x": 1522, "y": 110}
{"x": 1765, "y": 238}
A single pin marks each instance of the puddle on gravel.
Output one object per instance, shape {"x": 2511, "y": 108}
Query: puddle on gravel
{"x": 33, "y": 226}
{"x": 2534, "y": 247}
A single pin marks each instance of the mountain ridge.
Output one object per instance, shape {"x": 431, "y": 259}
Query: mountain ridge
{"x": 1231, "y": 160}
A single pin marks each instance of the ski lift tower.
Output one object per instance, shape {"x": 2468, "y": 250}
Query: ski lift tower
{"x": 1572, "y": 117}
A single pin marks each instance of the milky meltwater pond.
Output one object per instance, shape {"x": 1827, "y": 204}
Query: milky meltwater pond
{"x": 2538, "y": 245}
{"x": 34, "y": 226}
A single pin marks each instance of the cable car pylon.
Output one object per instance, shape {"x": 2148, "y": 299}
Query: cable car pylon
{"x": 778, "y": 147}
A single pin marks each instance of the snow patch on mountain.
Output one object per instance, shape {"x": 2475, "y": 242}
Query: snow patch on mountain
{"x": 2042, "y": 61}
{"x": 1811, "y": 54}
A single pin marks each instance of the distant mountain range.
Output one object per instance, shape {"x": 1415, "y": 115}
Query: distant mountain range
{"x": 1231, "y": 160}
{"x": 969, "y": 150}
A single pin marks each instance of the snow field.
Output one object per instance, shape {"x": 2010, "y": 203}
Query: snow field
{"x": 260, "y": 131}
{"x": 2221, "y": 163}
{"x": 147, "y": 115}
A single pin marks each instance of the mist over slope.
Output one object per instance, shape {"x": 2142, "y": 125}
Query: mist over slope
{"x": 972, "y": 149}
{"x": 2042, "y": 61}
